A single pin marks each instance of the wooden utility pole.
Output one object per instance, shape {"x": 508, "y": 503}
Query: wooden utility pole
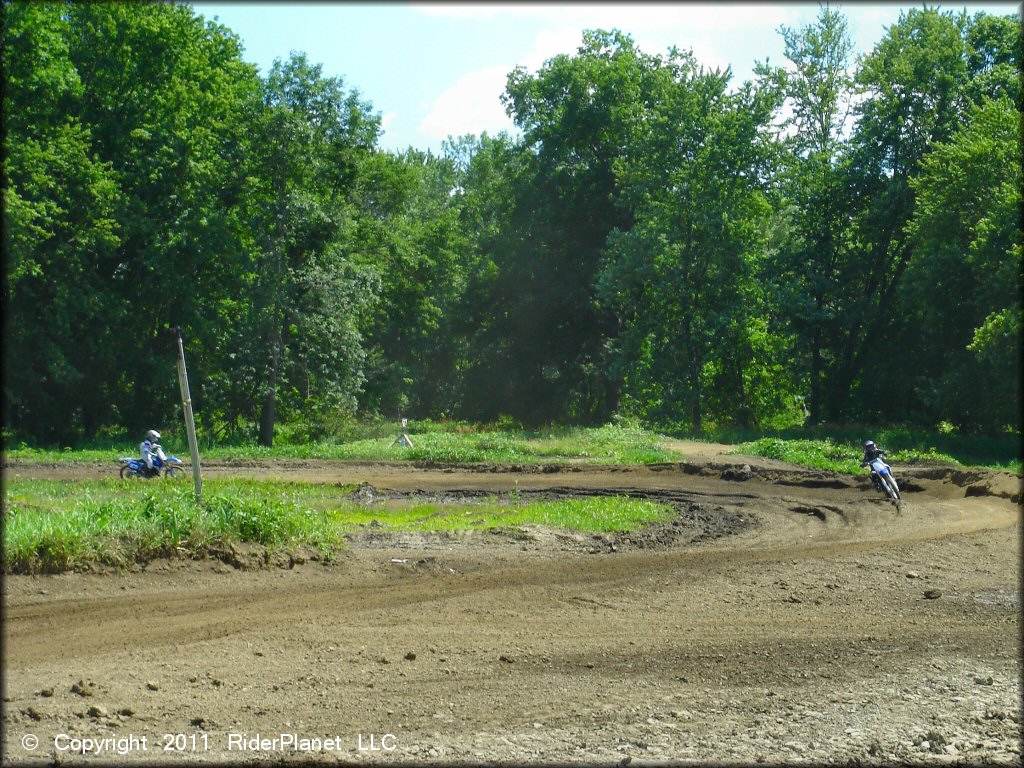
{"x": 190, "y": 424}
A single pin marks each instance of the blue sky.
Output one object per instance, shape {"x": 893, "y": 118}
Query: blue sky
{"x": 434, "y": 70}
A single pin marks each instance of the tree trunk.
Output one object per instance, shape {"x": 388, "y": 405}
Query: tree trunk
{"x": 815, "y": 408}
{"x": 815, "y": 404}
{"x": 268, "y": 413}
{"x": 612, "y": 396}
{"x": 695, "y": 409}
{"x": 743, "y": 411}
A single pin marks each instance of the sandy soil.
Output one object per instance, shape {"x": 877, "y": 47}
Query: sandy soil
{"x": 786, "y": 616}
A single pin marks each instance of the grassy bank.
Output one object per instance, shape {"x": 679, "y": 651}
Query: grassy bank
{"x": 52, "y": 526}
{"x": 824, "y": 454}
{"x": 431, "y": 442}
{"x": 839, "y": 456}
{"x": 838, "y": 448}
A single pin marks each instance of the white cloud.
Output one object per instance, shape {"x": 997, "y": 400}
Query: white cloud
{"x": 619, "y": 15}
{"x": 656, "y": 28}
{"x": 551, "y": 42}
{"x": 685, "y": 16}
{"x": 471, "y": 105}
{"x": 472, "y": 10}
{"x": 707, "y": 55}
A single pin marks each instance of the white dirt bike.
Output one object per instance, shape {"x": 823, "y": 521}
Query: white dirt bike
{"x": 881, "y": 475}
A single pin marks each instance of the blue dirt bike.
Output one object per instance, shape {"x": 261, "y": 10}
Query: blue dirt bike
{"x": 132, "y": 468}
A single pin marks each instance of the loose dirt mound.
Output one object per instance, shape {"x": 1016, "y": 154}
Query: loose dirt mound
{"x": 781, "y": 615}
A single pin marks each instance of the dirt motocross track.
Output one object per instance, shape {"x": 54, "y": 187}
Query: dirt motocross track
{"x": 786, "y": 615}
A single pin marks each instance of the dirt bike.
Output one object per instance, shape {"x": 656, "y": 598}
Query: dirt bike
{"x": 881, "y": 475}
{"x": 132, "y": 468}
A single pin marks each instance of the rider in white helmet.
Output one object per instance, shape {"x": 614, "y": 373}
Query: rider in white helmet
{"x": 149, "y": 448}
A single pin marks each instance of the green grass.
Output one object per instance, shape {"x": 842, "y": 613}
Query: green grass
{"x": 587, "y": 515}
{"x": 842, "y": 457}
{"x": 446, "y": 443}
{"x": 989, "y": 451}
{"x": 52, "y": 526}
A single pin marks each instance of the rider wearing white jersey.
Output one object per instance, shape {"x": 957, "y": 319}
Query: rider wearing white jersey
{"x": 150, "y": 448}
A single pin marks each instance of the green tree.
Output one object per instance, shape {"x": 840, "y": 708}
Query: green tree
{"x": 993, "y": 57}
{"x": 686, "y": 277}
{"x": 817, "y": 90}
{"x": 412, "y": 353}
{"x": 918, "y": 84}
{"x": 491, "y": 171}
{"x": 548, "y": 336}
{"x": 300, "y": 345}
{"x": 60, "y": 204}
{"x": 123, "y": 141}
{"x": 963, "y": 281}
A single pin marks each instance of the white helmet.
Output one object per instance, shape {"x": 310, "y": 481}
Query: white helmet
{"x": 152, "y": 435}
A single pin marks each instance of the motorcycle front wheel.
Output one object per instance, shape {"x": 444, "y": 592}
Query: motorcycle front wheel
{"x": 174, "y": 472}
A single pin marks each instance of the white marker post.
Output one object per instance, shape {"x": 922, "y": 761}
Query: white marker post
{"x": 402, "y": 439}
{"x": 190, "y": 424}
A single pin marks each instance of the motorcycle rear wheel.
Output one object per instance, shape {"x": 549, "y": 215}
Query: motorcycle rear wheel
{"x": 127, "y": 473}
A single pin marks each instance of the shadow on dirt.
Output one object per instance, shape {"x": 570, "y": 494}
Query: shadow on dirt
{"x": 818, "y": 512}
